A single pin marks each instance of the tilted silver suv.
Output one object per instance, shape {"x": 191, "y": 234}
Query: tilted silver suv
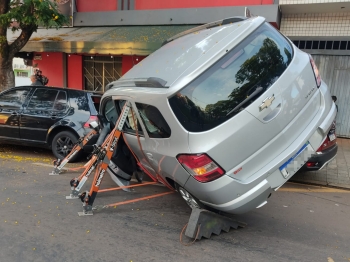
{"x": 226, "y": 113}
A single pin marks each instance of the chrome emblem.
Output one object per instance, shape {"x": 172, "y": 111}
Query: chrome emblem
{"x": 266, "y": 103}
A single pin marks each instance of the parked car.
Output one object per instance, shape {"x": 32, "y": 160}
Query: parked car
{"x": 46, "y": 116}
{"x": 226, "y": 113}
{"x": 324, "y": 154}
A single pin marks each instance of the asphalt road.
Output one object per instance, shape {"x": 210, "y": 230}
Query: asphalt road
{"x": 300, "y": 222}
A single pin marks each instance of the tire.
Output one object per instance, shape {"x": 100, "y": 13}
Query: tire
{"x": 191, "y": 201}
{"x": 62, "y": 143}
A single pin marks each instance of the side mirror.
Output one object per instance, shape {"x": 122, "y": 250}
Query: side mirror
{"x": 93, "y": 124}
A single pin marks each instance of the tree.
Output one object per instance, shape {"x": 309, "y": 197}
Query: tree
{"x": 24, "y": 16}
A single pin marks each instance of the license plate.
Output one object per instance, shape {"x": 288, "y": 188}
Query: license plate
{"x": 292, "y": 165}
{"x": 331, "y": 137}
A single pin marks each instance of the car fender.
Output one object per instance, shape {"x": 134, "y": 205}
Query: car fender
{"x": 65, "y": 123}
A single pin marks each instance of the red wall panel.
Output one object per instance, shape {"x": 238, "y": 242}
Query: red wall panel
{"x": 156, "y": 4}
{"x": 75, "y": 71}
{"x": 129, "y": 61}
{"x": 96, "y": 5}
{"x": 51, "y": 64}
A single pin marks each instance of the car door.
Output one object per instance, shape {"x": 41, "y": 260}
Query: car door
{"x": 137, "y": 141}
{"x": 157, "y": 138}
{"x": 11, "y": 105}
{"x": 45, "y": 108}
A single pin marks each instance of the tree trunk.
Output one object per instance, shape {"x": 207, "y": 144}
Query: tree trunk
{"x": 8, "y": 51}
{"x": 7, "y": 77}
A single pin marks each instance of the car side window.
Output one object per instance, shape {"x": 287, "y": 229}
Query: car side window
{"x": 60, "y": 107}
{"x": 42, "y": 102}
{"x": 13, "y": 100}
{"x": 110, "y": 112}
{"x": 154, "y": 121}
{"x": 131, "y": 122}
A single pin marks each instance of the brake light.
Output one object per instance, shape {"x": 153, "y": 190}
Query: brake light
{"x": 326, "y": 144}
{"x": 201, "y": 167}
{"x": 316, "y": 72}
{"x": 91, "y": 119}
{"x": 311, "y": 164}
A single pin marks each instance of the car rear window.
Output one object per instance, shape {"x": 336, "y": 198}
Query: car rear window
{"x": 234, "y": 82}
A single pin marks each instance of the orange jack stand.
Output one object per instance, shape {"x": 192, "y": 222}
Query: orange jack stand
{"x": 100, "y": 161}
{"x": 59, "y": 164}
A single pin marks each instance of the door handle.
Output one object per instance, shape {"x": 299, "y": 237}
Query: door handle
{"x": 53, "y": 117}
{"x": 14, "y": 114}
{"x": 273, "y": 113}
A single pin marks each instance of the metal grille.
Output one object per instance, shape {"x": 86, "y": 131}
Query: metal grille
{"x": 322, "y": 44}
{"x": 100, "y": 71}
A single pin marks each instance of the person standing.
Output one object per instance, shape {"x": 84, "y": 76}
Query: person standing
{"x": 35, "y": 81}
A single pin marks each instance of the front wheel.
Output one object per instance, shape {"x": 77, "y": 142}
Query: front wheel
{"x": 62, "y": 143}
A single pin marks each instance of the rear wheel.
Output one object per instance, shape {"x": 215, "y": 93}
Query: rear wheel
{"x": 62, "y": 143}
{"x": 189, "y": 199}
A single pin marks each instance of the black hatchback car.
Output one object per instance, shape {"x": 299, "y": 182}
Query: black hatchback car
{"x": 46, "y": 116}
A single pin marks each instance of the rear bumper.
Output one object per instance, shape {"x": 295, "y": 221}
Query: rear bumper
{"x": 321, "y": 159}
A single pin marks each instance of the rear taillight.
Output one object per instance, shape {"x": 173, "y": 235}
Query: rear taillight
{"x": 91, "y": 119}
{"x": 316, "y": 72}
{"x": 201, "y": 167}
{"x": 327, "y": 143}
{"x": 311, "y": 164}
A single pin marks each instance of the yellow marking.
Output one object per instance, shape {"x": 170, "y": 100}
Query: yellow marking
{"x": 294, "y": 187}
{"x": 22, "y": 159}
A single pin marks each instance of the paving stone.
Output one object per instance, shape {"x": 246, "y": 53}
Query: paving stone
{"x": 321, "y": 178}
{"x": 343, "y": 174}
{"x": 333, "y": 181}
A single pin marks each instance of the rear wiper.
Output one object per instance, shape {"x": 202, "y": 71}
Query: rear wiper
{"x": 257, "y": 91}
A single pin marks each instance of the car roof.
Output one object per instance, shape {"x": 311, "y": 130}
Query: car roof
{"x": 184, "y": 57}
{"x": 63, "y": 88}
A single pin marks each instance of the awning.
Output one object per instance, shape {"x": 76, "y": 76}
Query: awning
{"x": 121, "y": 40}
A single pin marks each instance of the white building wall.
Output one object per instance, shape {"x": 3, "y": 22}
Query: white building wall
{"x": 287, "y": 2}
{"x": 317, "y": 24}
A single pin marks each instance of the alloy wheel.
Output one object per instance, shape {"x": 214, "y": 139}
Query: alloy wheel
{"x": 64, "y": 146}
{"x": 188, "y": 198}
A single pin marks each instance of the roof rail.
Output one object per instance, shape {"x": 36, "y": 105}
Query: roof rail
{"x": 155, "y": 82}
{"x": 225, "y": 21}
{"x": 151, "y": 82}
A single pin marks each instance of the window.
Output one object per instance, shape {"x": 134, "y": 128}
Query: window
{"x": 100, "y": 71}
{"x": 22, "y": 74}
{"x": 223, "y": 90}
{"x": 60, "y": 107}
{"x": 131, "y": 120}
{"x": 322, "y": 44}
{"x": 14, "y": 99}
{"x": 153, "y": 121}
{"x": 42, "y": 102}
{"x": 110, "y": 112}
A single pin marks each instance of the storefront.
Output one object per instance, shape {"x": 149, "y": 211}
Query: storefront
{"x": 108, "y": 37}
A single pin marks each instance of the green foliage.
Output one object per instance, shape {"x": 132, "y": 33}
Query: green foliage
{"x": 29, "y": 13}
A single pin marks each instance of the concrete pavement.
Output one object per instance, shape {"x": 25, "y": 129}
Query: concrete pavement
{"x": 336, "y": 173}
{"x": 37, "y": 223}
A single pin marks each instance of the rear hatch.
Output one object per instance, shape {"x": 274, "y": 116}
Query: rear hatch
{"x": 251, "y": 105}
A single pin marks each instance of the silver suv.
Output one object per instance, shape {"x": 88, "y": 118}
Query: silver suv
{"x": 226, "y": 113}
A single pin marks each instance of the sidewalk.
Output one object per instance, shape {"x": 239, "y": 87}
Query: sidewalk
{"x": 336, "y": 173}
